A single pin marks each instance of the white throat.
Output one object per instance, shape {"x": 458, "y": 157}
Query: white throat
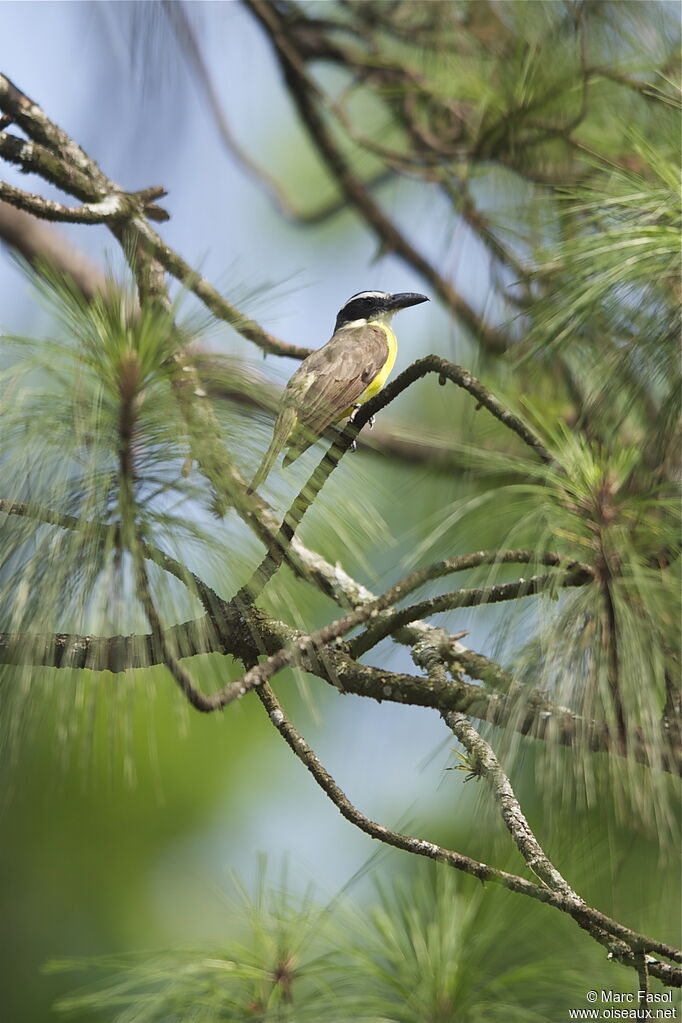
{"x": 383, "y": 320}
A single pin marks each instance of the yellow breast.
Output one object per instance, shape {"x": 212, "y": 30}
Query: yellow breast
{"x": 380, "y": 379}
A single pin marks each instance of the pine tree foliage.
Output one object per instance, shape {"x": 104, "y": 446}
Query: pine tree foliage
{"x": 547, "y": 134}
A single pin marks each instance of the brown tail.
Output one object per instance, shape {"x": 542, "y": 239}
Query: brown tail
{"x": 286, "y": 421}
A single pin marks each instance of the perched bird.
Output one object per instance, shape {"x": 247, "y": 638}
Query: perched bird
{"x": 337, "y": 378}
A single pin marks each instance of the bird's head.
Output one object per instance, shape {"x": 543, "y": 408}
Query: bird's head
{"x": 375, "y": 306}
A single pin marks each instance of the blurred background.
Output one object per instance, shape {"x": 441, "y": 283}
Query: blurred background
{"x": 125, "y": 817}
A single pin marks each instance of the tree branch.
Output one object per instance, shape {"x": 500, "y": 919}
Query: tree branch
{"x": 576, "y": 576}
{"x": 114, "y": 207}
{"x": 314, "y": 642}
{"x": 235, "y": 627}
{"x": 484, "y": 763}
{"x": 40, "y": 245}
{"x": 218, "y": 305}
{"x": 344, "y": 441}
{"x": 623, "y": 943}
{"x": 59, "y": 160}
{"x": 303, "y": 90}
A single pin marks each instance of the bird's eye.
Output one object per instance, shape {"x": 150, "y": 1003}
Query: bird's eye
{"x": 358, "y": 309}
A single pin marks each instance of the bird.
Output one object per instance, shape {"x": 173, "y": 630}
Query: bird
{"x": 334, "y": 380}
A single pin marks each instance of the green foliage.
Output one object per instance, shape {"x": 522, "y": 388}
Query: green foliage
{"x": 435, "y": 949}
{"x": 96, "y": 454}
{"x": 427, "y": 949}
{"x": 70, "y": 404}
{"x": 610, "y": 295}
{"x": 609, "y": 650}
{"x": 275, "y": 971}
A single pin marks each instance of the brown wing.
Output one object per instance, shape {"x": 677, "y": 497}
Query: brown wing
{"x": 337, "y": 374}
{"x": 331, "y": 380}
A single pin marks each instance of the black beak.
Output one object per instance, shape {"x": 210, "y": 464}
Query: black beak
{"x": 404, "y": 299}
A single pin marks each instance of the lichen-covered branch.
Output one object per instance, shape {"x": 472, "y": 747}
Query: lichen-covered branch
{"x": 624, "y": 944}
{"x": 52, "y": 154}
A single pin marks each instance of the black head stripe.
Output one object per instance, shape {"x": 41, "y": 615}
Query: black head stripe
{"x": 362, "y": 306}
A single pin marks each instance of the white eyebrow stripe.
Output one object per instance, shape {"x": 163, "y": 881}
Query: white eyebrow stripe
{"x": 368, "y": 294}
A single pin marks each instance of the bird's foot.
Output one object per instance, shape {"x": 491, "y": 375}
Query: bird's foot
{"x": 355, "y": 407}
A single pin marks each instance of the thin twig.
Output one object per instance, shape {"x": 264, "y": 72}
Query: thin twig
{"x": 47, "y": 209}
{"x": 219, "y": 305}
{"x": 315, "y": 641}
{"x": 485, "y": 763}
{"x": 478, "y": 597}
{"x": 429, "y": 364}
{"x": 304, "y": 92}
{"x": 52, "y": 154}
{"x": 621, "y": 941}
